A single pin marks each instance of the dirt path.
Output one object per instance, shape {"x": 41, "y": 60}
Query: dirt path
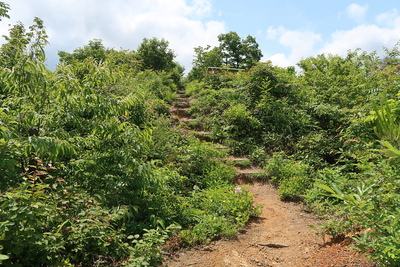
{"x": 280, "y": 224}
{"x": 280, "y": 236}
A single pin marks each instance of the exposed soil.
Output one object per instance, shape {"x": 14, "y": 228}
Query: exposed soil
{"x": 280, "y": 236}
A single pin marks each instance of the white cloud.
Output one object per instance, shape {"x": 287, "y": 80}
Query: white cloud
{"x": 280, "y": 60}
{"x": 389, "y": 19}
{"x": 357, "y": 12}
{"x": 122, "y": 23}
{"x": 366, "y": 37}
{"x": 300, "y": 43}
{"x": 372, "y": 37}
{"x": 272, "y": 33}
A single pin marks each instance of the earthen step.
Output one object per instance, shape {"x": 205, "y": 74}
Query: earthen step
{"x": 181, "y": 112}
{"x": 182, "y": 95}
{"x": 203, "y": 136}
{"x": 187, "y": 119}
{"x": 249, "y": 171}
{"x": 182, "y": 99}
{"x": 223, "y": 147}
{"x": 182, "y": 105}
{"x": 202, "y": 133}
{"x": 235, "y": 159}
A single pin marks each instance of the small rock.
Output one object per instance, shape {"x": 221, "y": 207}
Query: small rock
{"x": 238, "y": 190}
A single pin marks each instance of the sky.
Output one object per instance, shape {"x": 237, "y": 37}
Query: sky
{"x": 286, "y": 30}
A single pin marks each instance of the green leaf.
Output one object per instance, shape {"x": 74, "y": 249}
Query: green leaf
{"x": 332, "y": 192}
{"x": 326, "y": 188}
{"x": 3, "y": 257}
{"x": 390, "y": 150}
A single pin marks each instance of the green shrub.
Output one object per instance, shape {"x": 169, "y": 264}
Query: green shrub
{"x": 194, "y": 87}
{"x": 295, "y": 187}
{"x": 147, "y": 250}
{"x": 292, "y": 177}
{"x": 364, "y": 204}
{"x": 52, "y": 224}
{"x": 218, "y": 212}
{"x": 259, "y": 156}
{"x": 199, "y": 162}
{"x": 239, "y": 123}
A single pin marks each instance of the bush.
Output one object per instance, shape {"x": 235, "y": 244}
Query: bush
{"x": 147, "y": 250}
{"x": 218, "y": 212}
{"x": 49, "y": 224}
{"x": 364, "y": 205}
{"x": 292, "y": 177}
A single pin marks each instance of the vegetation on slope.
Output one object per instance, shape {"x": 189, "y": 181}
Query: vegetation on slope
{"x": 94, "y": 173}
{"x": 328, "y": 136}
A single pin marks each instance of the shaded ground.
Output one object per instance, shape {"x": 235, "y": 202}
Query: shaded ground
{"x": 281, "y": 236}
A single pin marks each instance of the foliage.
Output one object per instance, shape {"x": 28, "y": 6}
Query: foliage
{"x": 292, "y": 177}
{"x": 231, "y": 52}
{"x": 22, "y": 44}
{"x": 323, "y": 122}
{"x": 338, "y": 80}
{"x": 364, "y": 197}
{"x": 387, "y": 126}
{"x": 204, "y": 57}
{"x": 237, "y": 52}
{"x": 94, "y": 50}
{"x": 148, "y": 250}
{"x": 217, "y": 211}
{"x": 4, "y": 8}
{"x": 45, "y": 221}
{"x": 93, "y": 171}
{"x": 199, "y": 162}
{"x": 156, "y": 55}
{"x": 369, "y": 209}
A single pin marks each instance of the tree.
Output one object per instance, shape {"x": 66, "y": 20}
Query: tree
{"x": 126, "y": 60}
{"x": 231, "y": 48}
{"x": 94, "y": 49}
{"x": 336, "y": 80}
{"x": 4, "y": 10}
{"x": 205, "y": 57}
{"x": 156, "y": 55}
{"x": 231, "y": 52}
{"x": 23, "y": 43}
{"x": 237, "y": 52}
{"x": 252, "y": 52}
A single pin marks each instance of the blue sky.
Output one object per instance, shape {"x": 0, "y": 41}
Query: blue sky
{"x": 286, "y": 31}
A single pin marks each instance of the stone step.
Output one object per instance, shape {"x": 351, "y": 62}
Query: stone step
{"x": 249, "y": 175}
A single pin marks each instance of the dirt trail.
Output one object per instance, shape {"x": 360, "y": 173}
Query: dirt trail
{"x": 280, "y": 236}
